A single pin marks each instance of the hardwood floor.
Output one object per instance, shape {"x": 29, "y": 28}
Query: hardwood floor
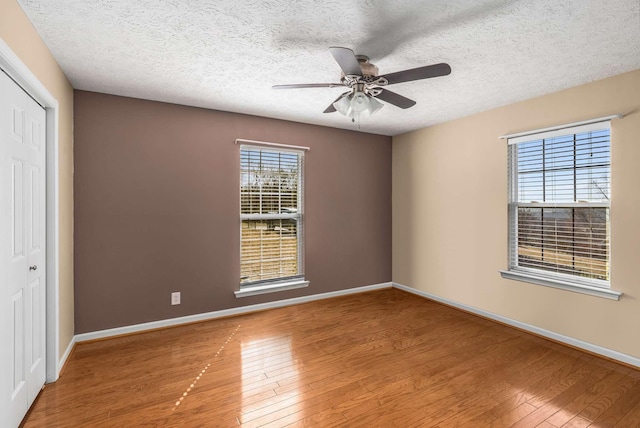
{"x": 380, "y": 359}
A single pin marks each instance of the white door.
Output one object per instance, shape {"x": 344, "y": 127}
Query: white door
{"x": 22, "y": 251}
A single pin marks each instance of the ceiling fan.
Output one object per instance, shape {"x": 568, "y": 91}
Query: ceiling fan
{"x": 366, "y": 87}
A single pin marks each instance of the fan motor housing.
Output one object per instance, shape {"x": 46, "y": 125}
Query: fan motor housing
{"x": 369, "y": 77}
{"x": 368, "y": 69}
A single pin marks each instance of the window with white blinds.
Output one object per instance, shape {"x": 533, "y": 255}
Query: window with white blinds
{"x": 271, "y": 215}
{"x": 559, "y": 204}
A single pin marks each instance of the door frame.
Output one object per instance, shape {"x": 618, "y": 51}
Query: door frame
{"x": 20, "y": 73}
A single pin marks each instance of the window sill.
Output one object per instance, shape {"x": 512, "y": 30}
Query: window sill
{"x": 271, "y": 288}
{"x": 562, "y": 285}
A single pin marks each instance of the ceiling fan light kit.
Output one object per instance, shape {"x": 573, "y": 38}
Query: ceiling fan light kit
{"x": 352, "y": 105}
{"x": 374, "y": 105}
{"x": 343, "y": 105}
{"x": 366, "y": 86}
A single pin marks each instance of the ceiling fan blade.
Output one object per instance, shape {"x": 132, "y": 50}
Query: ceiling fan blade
{"x": 308, "y": 85}
{"x": 395, "y": 99}
{"x": 331, "y": 108}
{"x": 347, "y": 61}
{"x": 425, "y": 72}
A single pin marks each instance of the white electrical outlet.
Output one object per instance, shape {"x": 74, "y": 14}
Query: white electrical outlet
{"x": 175, "y": 298}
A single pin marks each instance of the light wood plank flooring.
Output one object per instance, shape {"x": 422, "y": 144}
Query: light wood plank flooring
{"x": 380, "y": 359}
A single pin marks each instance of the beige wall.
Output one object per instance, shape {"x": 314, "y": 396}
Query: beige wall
{"x": 450, "y": 214}
{"x": 17, "y": 32}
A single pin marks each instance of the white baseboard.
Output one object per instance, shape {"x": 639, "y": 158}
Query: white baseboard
{"x": 599, "y": 350}
{"x": 64, "y": 358}
{"x": 101, "y": 334}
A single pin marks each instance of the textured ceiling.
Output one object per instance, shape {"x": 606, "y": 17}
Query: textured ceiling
{"x": 227, "y": 54}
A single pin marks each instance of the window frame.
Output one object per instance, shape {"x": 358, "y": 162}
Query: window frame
{"x": 566, "y": 281}
{"x": 286, "y": 282}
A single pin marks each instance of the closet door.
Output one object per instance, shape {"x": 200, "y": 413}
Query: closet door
{"x": 22, "y": 251}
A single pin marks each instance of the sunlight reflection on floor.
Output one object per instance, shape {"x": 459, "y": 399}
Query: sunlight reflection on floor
{"x": 204, "y": 370}
{"x": 267, "y": 365}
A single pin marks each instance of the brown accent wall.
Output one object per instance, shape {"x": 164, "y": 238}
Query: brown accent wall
{"x": 157, "y": 208}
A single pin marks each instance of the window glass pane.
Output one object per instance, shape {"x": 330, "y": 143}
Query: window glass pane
{"x": 268, "y": 182}
{"x": 565, "y": 240}
{"x": 269, "y": 249}
{"x": 564, "y": 169}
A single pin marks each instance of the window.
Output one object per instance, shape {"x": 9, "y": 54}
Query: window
{"x": 559, "y": 198}
{"x": 271, "y": 213}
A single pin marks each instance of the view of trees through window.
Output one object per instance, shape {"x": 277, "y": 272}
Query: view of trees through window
{"x": 270, "y": 213}
{"x": 563, "y": 196}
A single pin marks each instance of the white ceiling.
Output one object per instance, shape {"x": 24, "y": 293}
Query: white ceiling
{"x": 226, "y": 54}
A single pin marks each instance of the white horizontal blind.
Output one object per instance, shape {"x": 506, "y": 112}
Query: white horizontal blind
{"x": 559, "y": 203}
{"x": 271, "y": 214}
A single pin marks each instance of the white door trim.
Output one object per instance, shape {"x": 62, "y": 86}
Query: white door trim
{"x": 20, "y": 73}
